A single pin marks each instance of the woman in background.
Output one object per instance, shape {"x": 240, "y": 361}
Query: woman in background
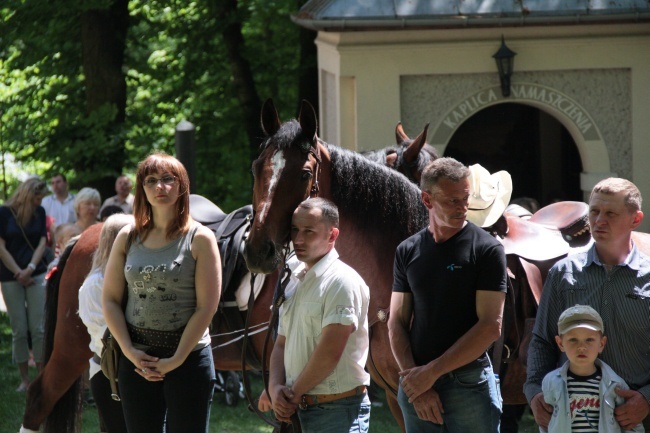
{"x": 172, "y": 267}
{"x": 86, "y": 207}
{"x": 22, "y": 243}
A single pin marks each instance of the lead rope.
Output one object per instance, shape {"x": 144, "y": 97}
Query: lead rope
{"x": 247, "y": 386}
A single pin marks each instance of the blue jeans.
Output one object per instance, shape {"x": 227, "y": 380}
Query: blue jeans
{"x": 350, "y": 414}
{"x": 470, "y": 398}
{"x": 26, "y": 309}
{"x": 181, "y": 401}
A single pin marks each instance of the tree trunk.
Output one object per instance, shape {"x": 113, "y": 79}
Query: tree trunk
{"x": 103, "y": 40}
{"x": 249, "y": 101}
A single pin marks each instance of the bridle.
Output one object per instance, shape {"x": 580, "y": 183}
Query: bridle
{"x": 315, "y": 152}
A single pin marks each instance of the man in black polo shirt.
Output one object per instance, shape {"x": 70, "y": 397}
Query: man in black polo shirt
{"x": 446, "y": 307}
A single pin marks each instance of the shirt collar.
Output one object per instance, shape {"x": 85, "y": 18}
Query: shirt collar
{"x": 632, "y": 260}
{"x": 319, "y": 268}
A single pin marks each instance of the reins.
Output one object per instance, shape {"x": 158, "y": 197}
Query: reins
{"x": 278, "y": 299}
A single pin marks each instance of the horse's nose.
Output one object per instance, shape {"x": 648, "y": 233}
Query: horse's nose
{"x": 260, "y": 259}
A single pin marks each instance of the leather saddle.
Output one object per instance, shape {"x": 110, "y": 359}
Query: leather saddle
{"x": 230, "y": 230}
{"x": 528, "y": 239}
{"x": 571, "y": 218}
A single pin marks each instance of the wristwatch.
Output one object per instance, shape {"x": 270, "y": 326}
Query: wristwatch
{"x": 32, "y": 266}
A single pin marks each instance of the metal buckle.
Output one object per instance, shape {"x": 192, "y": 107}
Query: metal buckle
{"x": 303, "y": 403}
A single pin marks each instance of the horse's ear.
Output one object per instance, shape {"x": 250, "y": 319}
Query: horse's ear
{"x": 413, "y": 150}
{"x": 308, "y": 122}
{"x": 270, "y": 119}
{"x": 400, "y": 135}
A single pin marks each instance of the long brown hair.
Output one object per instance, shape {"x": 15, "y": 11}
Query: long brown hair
{"x": 22, "y": 200}
{"x": 160, "y": 163}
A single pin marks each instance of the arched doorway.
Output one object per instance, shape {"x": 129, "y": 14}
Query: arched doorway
{"x": 533, "y": 146}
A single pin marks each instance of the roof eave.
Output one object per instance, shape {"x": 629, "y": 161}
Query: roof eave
{"x": 462, "y": 21}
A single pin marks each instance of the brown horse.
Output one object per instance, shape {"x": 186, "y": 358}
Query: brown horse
{"x": 378, "y": 209}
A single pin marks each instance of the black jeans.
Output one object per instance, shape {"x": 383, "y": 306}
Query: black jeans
{"x": 181, "y": 401}
{"x": 111, "y": 417}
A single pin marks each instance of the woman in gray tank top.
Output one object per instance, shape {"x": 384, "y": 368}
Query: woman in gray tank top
{"x": 161, "y": 289}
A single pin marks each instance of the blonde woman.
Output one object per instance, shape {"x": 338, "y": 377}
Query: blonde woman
{"x": 86, "y": 207}
{"x": 90, "y": 312}
{"x": 22, "y": 244}
{"x": 172, "y": 268}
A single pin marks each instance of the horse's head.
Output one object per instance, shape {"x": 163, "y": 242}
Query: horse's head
{"x": 412, "y": 155}
{"x": 285, "y": 174}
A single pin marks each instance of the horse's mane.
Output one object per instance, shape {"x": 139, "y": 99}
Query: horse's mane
{"x": 379, "y": 155}
{"x": 374, "y": 195}
{"x": 370, "y": 194}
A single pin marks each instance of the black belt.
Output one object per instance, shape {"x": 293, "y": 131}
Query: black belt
{"x": 162, "y": 344}
{"x": 481, "y": 362}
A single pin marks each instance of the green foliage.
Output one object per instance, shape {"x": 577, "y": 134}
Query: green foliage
{"x": 176, "y": 68}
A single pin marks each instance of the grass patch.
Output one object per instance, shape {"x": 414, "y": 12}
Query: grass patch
{"x": 223, "y": 418}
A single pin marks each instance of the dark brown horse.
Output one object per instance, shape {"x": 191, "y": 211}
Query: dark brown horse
{"x": 409, "y": 157}
{"x": 378, "y": 209}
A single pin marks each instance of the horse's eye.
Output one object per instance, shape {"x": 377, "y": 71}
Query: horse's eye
{"x": 306, "y": 175}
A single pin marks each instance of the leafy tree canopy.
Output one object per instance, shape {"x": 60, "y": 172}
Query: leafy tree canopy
{"x": 181, "y": 61}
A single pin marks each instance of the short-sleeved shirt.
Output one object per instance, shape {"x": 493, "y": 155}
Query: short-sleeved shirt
{"x": 330, "y": 292}
{"x": 15, "y": 241}
{"x": 443, "y": 279}
{"x": 63, "y": 213}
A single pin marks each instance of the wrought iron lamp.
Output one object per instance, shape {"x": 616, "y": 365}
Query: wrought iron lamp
{"x": 505, "y": 59}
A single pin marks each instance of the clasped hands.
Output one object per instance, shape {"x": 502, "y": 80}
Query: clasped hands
{"x": 417, "y": 384}
{"x": 285, "y": 402}
{"x": 150, "y": 367}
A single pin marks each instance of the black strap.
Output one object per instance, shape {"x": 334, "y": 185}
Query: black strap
{"x": 245, "y": 378}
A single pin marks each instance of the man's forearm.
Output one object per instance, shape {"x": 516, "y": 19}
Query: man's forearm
{"x": 400, "y": 344}
{"x": 277, "y": 374}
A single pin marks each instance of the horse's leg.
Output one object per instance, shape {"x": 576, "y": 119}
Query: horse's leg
{"x": 384, "y": 369}
{"x": 46, "y": 390}
{"x": 391, "y": 400}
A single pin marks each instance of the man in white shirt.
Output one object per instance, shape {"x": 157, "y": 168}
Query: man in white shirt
{"x": 124, "y": 198}
{"x": 319, "y": 356}
{"x": 60, "y": 204}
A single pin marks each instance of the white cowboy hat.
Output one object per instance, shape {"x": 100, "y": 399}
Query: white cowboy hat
{"x": 489, "y": 195}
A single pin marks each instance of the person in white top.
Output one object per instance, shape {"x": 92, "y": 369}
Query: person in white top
{"x": 60, "y": 204}
{"x": 319, "y": 356}
{"x": 90, "y": 311}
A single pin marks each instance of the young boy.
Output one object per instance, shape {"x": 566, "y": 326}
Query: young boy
{"x": 582, "y": 391}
